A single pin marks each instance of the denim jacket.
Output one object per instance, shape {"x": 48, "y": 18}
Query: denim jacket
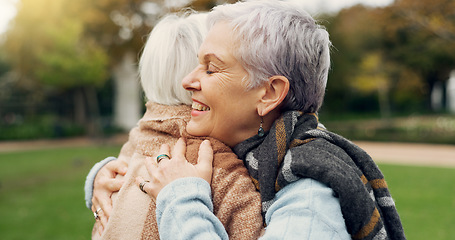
{"x": 305, "y": 209}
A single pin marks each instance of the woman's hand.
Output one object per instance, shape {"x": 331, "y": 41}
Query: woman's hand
{"x": 168, "y": 170}
{"x": 104, "y": 185}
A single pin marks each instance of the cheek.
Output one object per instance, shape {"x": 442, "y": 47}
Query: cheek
{"x": 230, "y": 81}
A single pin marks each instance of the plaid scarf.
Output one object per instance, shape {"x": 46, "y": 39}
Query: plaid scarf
{"x": 296, "y": 148}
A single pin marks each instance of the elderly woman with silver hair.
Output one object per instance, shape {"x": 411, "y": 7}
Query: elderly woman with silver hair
{"x": 258, "y": 87}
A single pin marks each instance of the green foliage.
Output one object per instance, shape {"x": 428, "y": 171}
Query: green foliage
{"x": 66, "y": 48}
{"x": 383, "y": 59}
{"x": 56, "y": 53}
{"x": 356, "y": 59}
{"x": 4, "y": 66}
{"x": 421, "y": 37}
{"x": 395, "y": 53}
{"x": 39, "y": 127}
{"x": 420, "y": 129}
{"x": 71, "y": 61}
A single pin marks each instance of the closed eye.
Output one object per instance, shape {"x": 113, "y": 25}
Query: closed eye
{"x": 211, "y": 69}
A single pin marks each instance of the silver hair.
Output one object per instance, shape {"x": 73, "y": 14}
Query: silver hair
{"x": 169, "y": 55}
{"x": 278, "y": 38}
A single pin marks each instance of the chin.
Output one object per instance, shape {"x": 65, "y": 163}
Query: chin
{"x": 195, "y": 130}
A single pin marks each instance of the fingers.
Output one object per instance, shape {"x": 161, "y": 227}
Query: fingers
{"x": 179, "y": 149}
{"x": 114, "y": 185}
{"x": 147, "y": 187}
{"x": 102, "y": 195}
{"x": 103, "y": 204}
{"x": 178, "y": 152}
{"x": 139, "y": 181}
{"x": 205, "y": 154}
{"x": 165, "y": 149}
{"x": 151, "y": 165}
{"x": 96, "y": 230}
{"x": 99, "y": 217}
{"x": 205, "y": 160}
{"x": 168, "y": 170}
{"x": 102, "y": 198}
{"x": 117, "y": 167}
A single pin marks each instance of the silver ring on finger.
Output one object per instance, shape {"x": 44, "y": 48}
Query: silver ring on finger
{"x": 96, "y": 213}
{"x": 141, "y": 186}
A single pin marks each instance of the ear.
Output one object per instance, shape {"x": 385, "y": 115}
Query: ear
{"x": 276, "y": 89}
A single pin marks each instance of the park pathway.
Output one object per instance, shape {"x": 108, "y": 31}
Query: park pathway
{"x": 411, "y": 153}
{"x": 382, "y": 152}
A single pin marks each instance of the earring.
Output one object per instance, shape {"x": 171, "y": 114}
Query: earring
{"x": 261, "y": 131}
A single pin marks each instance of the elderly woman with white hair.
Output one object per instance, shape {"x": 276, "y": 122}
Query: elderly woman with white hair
{"x": 169, "y": 54}
{"x": 258, "y": 87}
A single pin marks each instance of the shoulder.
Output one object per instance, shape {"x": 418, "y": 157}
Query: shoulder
{"x": 311, "y": 190}
{"x": 310, "y": 206}
{"x": 322, "y": 148}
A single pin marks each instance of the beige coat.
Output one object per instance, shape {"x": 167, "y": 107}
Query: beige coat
{"x": 236, "y": 202}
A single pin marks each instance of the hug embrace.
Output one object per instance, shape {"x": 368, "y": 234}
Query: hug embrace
{"x": 250, "y": 77}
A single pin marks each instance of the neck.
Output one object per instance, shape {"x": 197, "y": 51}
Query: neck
{"x": 270, "y": 118}
{"x": 252, "y": 131}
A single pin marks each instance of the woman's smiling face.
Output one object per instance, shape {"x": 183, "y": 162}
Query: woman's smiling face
{"x": 223, "y": 108}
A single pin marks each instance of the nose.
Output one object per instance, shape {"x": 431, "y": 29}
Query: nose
{"x": 191, "y": 81}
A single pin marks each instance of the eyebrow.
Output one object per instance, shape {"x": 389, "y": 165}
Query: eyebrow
{"x": 210, "y": 55}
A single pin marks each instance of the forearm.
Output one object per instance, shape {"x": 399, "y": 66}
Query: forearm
{"x": 185, "y": 211}
{"x": 88, "y": 187}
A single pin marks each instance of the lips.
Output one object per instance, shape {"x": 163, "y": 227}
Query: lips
{"x": 200, "y": 107}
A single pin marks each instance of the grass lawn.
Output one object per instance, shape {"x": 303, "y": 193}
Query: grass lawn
{"x": 41, "y": 192}
{"x": 425, "y": 199}
{"x": 41, "y": 195}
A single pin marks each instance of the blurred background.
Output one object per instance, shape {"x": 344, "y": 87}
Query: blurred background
{"x": 68, "y": 68}
{"x": 68, "y": 72}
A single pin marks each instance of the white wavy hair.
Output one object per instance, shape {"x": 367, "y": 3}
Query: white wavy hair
{"x": 169, "y": 55}
{"x": 280, "y": 38}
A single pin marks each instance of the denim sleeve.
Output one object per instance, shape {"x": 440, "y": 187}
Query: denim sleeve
{"x": 88, "y": 187}
{"x": 184, "y": 210}
{"x": 305, "y": 209}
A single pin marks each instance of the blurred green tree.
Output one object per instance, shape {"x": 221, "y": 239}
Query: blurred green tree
{"x": 356, "y": 62}
{"x": 397, "y": 53}
{"x": 420, "y": 36}
{"x": 372, "y": 77}
{"x": 74, "y": 47}
{"x": 46, "y": 49}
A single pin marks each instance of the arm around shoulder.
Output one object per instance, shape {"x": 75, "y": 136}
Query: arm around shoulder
{"x": 88, "y": 187}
